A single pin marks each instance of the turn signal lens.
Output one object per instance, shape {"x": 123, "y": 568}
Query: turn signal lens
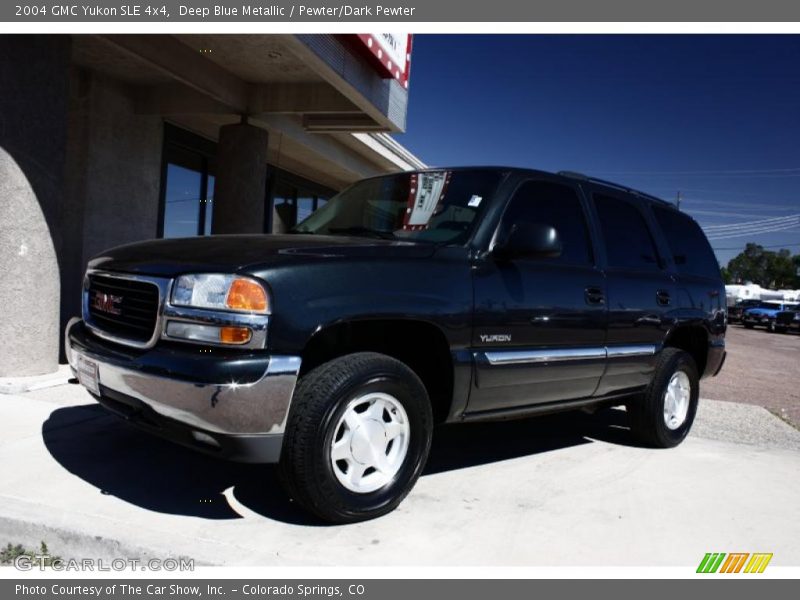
{"x": 234, "y": 335}
{"x": 208, "y": 333}
{"x": 246, "y": 295}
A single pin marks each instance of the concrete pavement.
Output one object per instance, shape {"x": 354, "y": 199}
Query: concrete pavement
{"x": 560, "y": 490}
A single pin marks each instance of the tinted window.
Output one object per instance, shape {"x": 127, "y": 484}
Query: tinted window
{"x": 687, "y": 243}
{"x": 627, "y": 238}
{"x": 555, "y": 205}
{"x": 432, "y": 206}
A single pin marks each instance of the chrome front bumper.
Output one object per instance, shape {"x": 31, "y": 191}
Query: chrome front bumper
{"x": 228, "y": 409}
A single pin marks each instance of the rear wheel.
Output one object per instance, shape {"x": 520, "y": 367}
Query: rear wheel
{"x": 663, "y": 416}
{"x": 771, "y": 327}
{"x": 358, "y": 436}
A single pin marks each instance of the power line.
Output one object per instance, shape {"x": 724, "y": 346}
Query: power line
{"x": 726, "y": 213}
{"x": 751, "y": 232}
{"x": 757, "y": 223}
{"x": 791, "y": 170}
{"x": 733, "y": 204}
{"x": 721, "y": 235}
{"x": 771, "y": 246}
{"x": 740, "y": 233}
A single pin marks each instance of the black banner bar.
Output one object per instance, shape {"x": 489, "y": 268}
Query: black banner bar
{"x": 399, "y": 11}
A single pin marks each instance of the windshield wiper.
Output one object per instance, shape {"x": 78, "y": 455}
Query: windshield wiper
{"x": 363, "y": 231}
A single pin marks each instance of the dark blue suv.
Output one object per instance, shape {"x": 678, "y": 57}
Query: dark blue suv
{"x": 446, "y": 295}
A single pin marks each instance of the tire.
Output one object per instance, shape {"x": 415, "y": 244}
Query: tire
{"x": 779, "y": 329}
{"x": 771, "y": 327}
{"x": 647, "y": 415}
{"x": 748, "y": 325}
{"x": 322, "y": 400}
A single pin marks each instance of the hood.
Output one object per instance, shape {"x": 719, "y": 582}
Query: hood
{"x": 762, "y": 311}
{"x": 231, "y": 253}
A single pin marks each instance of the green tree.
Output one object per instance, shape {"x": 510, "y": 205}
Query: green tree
{"x": 764, "y": 267}
{"x": 781, "y": 269}
{"x": 749, "y": 265}
{"x": 796, "y": 265}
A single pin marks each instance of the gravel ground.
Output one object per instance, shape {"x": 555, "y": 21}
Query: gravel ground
{"x": 762, "y": 369}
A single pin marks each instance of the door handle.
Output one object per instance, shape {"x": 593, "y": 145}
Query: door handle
{"x": 594, "y": 295}
{"x": 662, "y": 297}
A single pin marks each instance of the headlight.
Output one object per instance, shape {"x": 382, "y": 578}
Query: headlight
{"x": 220, "y": 292}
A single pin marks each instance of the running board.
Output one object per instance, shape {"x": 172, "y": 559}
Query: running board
{"x": 518, "y": 412}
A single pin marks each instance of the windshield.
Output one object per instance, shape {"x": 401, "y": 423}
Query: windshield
{"x": 433, "y": 206}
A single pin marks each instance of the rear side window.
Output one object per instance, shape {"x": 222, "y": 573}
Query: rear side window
{"x": 687, "y": 243}
{"x": 558, "y": 206}
{"x": 628, "y": 241}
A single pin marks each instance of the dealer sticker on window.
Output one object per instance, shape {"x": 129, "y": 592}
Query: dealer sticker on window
{"x": 425, "y": 193}
{"x": 88, "y": 374}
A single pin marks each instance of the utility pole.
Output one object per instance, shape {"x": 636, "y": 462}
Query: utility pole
{"x": 678, "y": 200}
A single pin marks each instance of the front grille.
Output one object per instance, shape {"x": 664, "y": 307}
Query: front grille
{"x": 124, "y": 308}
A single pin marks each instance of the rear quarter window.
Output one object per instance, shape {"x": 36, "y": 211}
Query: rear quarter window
{"x": 691, "y": 252}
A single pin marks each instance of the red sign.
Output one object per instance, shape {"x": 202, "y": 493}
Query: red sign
{"x": 390, "y": 53}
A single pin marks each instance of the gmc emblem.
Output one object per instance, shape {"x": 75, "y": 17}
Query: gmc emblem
{"x": 106, "y": 303}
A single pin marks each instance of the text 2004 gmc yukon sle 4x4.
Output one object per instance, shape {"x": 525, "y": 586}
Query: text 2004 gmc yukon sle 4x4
{"x": 446, "y": 295}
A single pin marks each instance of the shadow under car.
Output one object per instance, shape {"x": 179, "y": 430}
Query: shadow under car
{"x": 120, "y": 460}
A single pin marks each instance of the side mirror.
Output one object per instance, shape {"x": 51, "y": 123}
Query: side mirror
{"x": 528, "y": 240}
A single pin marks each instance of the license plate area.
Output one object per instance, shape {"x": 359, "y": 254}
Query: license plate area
{"x": 88, "y": 374}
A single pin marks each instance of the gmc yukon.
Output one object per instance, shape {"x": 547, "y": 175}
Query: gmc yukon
{"x": 408, "y": 300}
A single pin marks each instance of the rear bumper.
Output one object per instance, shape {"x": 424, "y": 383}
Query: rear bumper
{"x": 233, "y": 406}
{"x": 790, "y": 323}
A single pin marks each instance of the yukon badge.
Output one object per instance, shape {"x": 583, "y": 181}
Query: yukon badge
{"x": 495, "y": 338}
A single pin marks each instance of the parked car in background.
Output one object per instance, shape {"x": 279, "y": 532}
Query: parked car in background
{"x": 764, "y": 315}
{"x": 736, "y": 311}
{"x": 787, "y": 319}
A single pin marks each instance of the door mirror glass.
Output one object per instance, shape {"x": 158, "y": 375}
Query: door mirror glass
{"x": 528, "y": 240}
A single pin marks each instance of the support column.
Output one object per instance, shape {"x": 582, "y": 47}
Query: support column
{"x": 241, "y": 178}
{"x": 33, "y": 77}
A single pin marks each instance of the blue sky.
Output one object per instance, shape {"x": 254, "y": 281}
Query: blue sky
{"x": 716, "y": 117}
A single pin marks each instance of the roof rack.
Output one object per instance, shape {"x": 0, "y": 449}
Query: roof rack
{"x": 618, "y": 186}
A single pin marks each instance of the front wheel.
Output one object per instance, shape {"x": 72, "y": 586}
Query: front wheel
{"x": 358, "y": 437}
{"x": 663, "y": 416}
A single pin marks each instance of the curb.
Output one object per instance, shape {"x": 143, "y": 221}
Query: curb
{"x": 72, "y": 544}
{"x": 20, "y": 385}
